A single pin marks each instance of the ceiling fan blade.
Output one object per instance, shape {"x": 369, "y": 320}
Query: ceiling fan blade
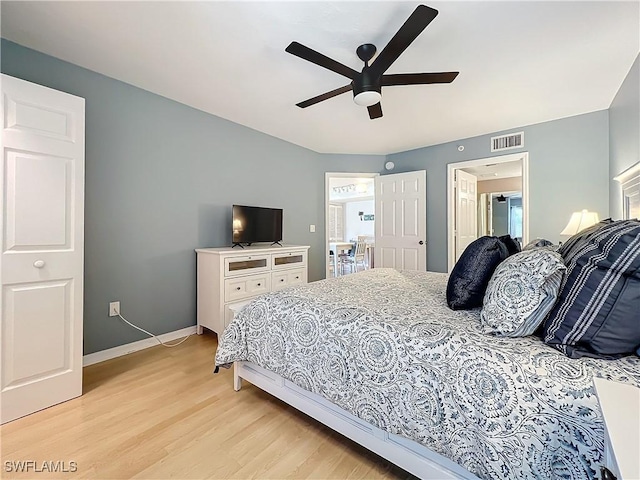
{"x": 375, "y": 111}
{"x": 418, "y": 78}
{"x": 415, "y": 24}
{"x": 324, "y": 96}
{"x": 312, "y": 56}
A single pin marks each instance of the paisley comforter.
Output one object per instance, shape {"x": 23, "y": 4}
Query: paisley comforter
{"x": 384, "y": 346}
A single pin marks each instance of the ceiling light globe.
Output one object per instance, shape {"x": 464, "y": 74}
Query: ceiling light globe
{"x": 366, "y": 99}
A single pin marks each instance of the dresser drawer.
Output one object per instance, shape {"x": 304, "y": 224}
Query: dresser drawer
{"x": 281, "y": 280}
{"x": 297, "y": 276}
{"x": 246, "y": 264}
{"x": 228, "y": 316}
{"x": 286, "y": 260}
{"x": 230, "y": 310}
{"x": 243, "y": 287}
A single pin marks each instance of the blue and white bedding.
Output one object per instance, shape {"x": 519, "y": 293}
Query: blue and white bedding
{"x": 384, "y": 346}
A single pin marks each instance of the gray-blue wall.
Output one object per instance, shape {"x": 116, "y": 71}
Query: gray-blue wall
{"x": 160, "y": 181}
{"x": 568, "y": 171}
{"x": 624, "y": 134}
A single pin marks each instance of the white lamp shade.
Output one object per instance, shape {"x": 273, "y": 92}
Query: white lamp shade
{"x": 579, "y": 221}
{"x": 366, "y": 99}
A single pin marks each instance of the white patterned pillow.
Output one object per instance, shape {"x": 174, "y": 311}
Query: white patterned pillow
{"x": 521, "y": 292}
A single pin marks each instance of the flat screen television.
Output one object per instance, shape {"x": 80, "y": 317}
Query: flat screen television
{"x": 256, "y": 224}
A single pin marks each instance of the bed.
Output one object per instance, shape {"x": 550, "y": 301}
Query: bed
{"x": 380, "y": 357}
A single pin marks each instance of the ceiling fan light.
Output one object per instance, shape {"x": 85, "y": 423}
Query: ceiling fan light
{"x": 366, "y": 99}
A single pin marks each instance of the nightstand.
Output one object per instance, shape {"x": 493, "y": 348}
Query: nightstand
{"x": 620, "y": 405}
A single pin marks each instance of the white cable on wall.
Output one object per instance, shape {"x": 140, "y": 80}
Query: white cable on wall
{"x": 168, "y": 345}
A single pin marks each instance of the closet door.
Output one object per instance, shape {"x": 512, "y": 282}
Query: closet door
{"x": 42, "y": 247}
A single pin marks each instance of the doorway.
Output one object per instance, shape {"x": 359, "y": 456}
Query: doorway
{"x": 350, "y": 216}
{"x": 502, "y": 214}
{"x": 488, "y": 196}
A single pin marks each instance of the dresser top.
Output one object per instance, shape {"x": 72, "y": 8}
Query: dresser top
{"x": 252, "y": 249}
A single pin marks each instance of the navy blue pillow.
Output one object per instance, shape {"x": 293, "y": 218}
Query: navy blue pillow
{"x": 513, "y": 245}
{"x": 471, "y": 274}
{"x": 598, "y": 309}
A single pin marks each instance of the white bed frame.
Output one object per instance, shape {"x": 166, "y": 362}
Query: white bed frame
{"x": 407, "y": 454}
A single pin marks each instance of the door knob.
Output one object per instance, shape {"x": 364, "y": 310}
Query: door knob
{"x": 38, "y": 263}
{"x": 421, "y": 242}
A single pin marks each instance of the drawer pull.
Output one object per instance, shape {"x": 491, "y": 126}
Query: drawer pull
{"x": 282, "y": 279}
{"x": 297, "y": 277}
{"x": 259, "y": 284}
{"x": 237, "y": 288}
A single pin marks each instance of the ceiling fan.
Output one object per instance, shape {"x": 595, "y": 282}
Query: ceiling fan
{"x": 367, "y": 84}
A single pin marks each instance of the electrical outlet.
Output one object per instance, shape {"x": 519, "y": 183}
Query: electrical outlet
{"x": 312, "y": 228}
{"x": 114, "y": 309}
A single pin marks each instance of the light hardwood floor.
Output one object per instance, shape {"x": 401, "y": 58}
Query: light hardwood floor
{"x": 161, "y": 413}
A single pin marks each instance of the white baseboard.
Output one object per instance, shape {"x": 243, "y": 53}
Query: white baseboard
{"x": 121, "y": 350}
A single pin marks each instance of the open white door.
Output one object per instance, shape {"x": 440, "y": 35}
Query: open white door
{"x": 42, "y": 247}
{"x": 401, "y": 221}
{"x": 483, "y": 215}
{"x": 466, "y": 228}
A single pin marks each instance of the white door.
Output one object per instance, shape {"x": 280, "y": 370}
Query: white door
{"x": 466, "y": 226}
{"x": 401, "y": 221}
{"x": 42, "y": 247}
{"x": 483, "y": 215}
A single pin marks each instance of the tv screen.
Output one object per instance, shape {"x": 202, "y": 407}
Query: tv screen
{"x": 256, "y": 224}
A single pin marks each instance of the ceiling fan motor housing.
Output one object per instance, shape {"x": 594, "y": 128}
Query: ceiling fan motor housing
{"x": 367, "y": 81}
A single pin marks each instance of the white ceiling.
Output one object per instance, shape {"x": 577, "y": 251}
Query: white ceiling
{"x": 520, "y": 62}
{"x": 495, "y": 171}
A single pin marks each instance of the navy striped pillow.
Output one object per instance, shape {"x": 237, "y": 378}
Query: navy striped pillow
{"x": 598, "y": 310}
{"x": 580, "y": 239}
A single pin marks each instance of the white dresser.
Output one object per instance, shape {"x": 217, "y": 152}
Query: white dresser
{"x": 227, "y": 276}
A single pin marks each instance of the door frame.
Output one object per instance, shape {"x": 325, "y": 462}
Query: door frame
{"x": 451, "y": 169}
{"x": 327, "y": 193}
